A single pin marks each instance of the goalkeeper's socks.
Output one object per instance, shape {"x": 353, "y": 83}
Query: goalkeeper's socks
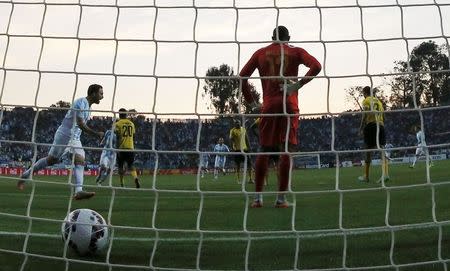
{"x": 285, "y": 164}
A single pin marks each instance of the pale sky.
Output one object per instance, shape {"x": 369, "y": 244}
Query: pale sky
{"x": 190, "y": 40}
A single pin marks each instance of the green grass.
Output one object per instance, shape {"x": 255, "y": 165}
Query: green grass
{"x": 310, "y": 232}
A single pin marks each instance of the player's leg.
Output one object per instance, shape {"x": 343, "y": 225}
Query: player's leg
{"x": 426, "y": 151}
{"x": 268, "y": 128}
{"x": 133, "y": 172}
{"x": 284, "y": 166}
{"x": 104, "y": 163}
{"x": 419, "y": 152}
{"x": 78, "y": 172}
{"x": 384, "y": 160}
{"x": 52, "y": 158}
{"x": 261, "y": 165}
{"x": 248, "y": 161}
{"x": 216, "y": 167}
{"x": 121, "y": 167}
{"x": 237, "y": 162}
{"x": 222, "y": 166}
{"x": 370, "y": 140}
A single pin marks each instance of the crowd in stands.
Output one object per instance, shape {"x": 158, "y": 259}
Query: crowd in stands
{"x": 172, "y": 143}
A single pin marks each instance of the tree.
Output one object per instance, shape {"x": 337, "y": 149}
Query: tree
{"x": 431, "y": 88}
{"x": 224, "y": 93}
{"x": 355, "y": 95}
{"x": 61, "y": 104}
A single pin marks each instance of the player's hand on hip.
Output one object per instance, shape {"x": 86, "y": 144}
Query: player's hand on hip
{"x": 291, "y": 86}
{"x": 255, "y": 107}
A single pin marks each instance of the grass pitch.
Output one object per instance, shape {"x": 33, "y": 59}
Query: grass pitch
{"x": 334, "y": 223}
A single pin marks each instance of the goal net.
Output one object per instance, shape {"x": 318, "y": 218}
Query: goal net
{"x": 152, "y": 56}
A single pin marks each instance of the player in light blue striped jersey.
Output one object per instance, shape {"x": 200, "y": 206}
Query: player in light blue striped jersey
{"x": 108, "y": 156}
{"x": 219, "y": 163}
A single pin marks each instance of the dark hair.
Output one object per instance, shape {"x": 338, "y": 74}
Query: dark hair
{"x": 123, "y": 115}
{"x": 94, "y": 88}
{"x": 283, "y": 33}
{"x": 366, "y": 91}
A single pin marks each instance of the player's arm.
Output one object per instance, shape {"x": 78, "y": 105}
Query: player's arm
{"x": 87, "y": 129}
{"x": 247, "y": 142}
{"x": 247, "y": 71}
{"x": 230, "y": 137}
{"x": 363, "y": 118}
{"x": 314, "y": 68}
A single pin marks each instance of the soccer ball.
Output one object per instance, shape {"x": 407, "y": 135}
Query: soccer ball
{"x": 86, "y": 231}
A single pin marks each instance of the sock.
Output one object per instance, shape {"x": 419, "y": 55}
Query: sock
{"x": 283, "y": 171}
{"x": 134, "y": 174}
{"x": 258, "y": 197}
{"x": 281, "y": 197}
{"x": 386, "y": 167}
{"x": 78, "y": 173}
{"x": 262, "y": 164}
{"x": 414, "y": 161}
{"x": 366, "y": 170}
{"x": 100, "y": 175}
{"x": 40, "y": 164}
{"x": 215, "y": 173}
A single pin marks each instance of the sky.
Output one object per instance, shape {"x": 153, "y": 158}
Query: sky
{"x": 149, "y": 55}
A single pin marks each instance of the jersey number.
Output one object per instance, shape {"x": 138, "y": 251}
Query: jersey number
{"x": 127, "y": 131}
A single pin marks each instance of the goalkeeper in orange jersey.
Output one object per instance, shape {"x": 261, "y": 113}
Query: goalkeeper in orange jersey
{"x": 372, "y": 127}
{"x": 275, "y": 62}
{"x": 125, "y": 130}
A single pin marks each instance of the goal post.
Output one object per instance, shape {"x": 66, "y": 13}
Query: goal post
{"x": 152, "y": 56}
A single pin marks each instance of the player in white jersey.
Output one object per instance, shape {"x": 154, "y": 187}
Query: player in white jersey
{"x": 421, "y": 149}
{"x": 219, "y": 163}
{"x": 108, "y": 156}
{"x": 68, "y": 134}
{"x": 203, "y": 163}
{"x": 388, "y": 151}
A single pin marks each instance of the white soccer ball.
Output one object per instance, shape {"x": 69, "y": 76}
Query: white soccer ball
{"x": 86, "y": 231}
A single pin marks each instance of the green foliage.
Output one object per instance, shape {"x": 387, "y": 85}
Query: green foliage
{"x": 224, "y": 92}
{"x": 424, "y": 89}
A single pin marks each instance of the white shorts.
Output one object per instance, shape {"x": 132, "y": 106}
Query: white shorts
{"x": 108, "y": 160}
{"x": 68, "y": 146}
{"x": 220, "y": 162}
{"x": 420, "y": 151}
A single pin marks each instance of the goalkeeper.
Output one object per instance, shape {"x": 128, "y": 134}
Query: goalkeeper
{"x": 278, "y": 59}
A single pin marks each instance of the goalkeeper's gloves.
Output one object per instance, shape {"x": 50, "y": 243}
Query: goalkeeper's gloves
{"x": 291, "y": 86}
{"x": 255, "y": 107}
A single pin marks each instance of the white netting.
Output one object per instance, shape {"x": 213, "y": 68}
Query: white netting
{"x": 152, "y": 56}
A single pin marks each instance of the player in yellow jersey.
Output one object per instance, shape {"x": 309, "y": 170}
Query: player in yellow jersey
{"x": 372, "y": 127}
{"x": 125, "y": 130}
{"x": 239, "y": 143}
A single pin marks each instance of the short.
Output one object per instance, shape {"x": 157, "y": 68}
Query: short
{"x": 204, "y": 164}
{"x": 125, "y": 157}
{"x": 220, "y": 161}
{"x": 67, "y": 146}
{"x": 370, "y": 135}
{"x": 108, "y": 160}
{"x": 240, "y": 158}
{"x": 420, "y": 150}
{"x": 273, "y": 129}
